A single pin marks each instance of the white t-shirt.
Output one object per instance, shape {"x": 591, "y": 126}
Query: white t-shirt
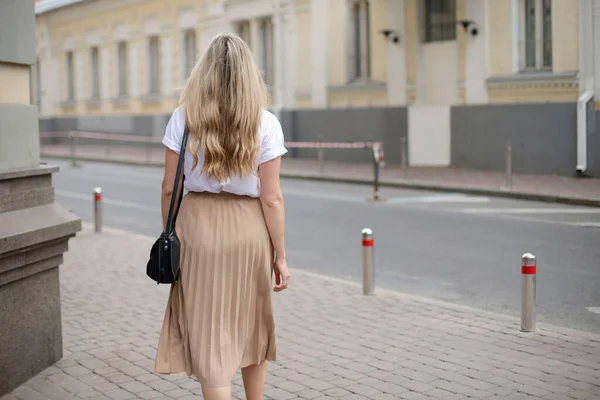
{"x": 271, "y": 146}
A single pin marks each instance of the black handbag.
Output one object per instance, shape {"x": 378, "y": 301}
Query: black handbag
{"x": 163, "y": 265}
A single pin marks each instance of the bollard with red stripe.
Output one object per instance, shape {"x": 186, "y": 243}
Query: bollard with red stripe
{"x": 368, "y": 258}
{"x": 528, "y": 283}
{"x": 98, "y": 209}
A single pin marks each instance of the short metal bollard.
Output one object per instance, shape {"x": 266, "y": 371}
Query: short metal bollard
{"x": 376, "y": 172}
{"x": 98, "y": 209}
{"x": 528, "y": 272}
{"x": 509, "y": 175}
{"x": 404, "y": 157}
{"x": 321, "y": 156}
{"x": 368, "y": 261}
{"x": 73, "y": 149}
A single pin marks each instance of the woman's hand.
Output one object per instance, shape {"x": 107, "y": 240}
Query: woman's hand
{"x": 282, "y": 274}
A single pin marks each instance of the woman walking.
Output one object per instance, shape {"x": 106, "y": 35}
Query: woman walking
{"x": 219, "y": 315}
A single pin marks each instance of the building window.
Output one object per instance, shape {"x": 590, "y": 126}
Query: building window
{"x": 440, "y": 20}
{"x": 243, "y": 31}
{"x": 70, "y": 77}
{"x": 154, "y": 65}
{"x": 189, "y": 52}
{"x": 266, "y": 37}
{"x": 359, "y": 47}
{"x": 536, "y": 34}
{"x": 95, "y": 73}
{"x": 122, "y": 68}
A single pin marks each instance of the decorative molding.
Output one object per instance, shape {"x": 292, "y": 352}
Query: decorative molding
{"x": 85, "y": 9}
{"x": 69, "y": 44}
{"x": 121, "y": 32}
{"x": 358, "y": 86}
{"x": 152, "y": 26}
{"x": 93, "y": 38}
{"x": 188, "y": 19}
{"x": 527, "y": 81}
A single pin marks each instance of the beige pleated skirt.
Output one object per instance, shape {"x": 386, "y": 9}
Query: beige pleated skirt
{"x": 219, "y": 315}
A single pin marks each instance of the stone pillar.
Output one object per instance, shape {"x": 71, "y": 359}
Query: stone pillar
{"x": 34, "y": 231}
{"x": 318, "y": 47}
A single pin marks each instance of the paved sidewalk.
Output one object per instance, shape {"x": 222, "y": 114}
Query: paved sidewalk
{"x": 583, "y": 191}
{"x": 333, "y": 342}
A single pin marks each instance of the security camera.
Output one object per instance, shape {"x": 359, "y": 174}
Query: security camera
{"x": 390, "y": 34}
{"x": 469, "y": 26}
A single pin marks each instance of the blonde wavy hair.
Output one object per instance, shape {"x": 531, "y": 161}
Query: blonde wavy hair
{"x": 223, "y": 100}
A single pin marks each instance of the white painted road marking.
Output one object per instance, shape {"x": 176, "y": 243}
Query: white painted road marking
{"x": 112, "y": 202}
{"x": 595, "y": 310}
{"x": 541, "y": 210}
{"x": 440, "y": 198}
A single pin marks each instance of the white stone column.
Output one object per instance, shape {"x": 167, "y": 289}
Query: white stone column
{"x": 318, "y": 48}
{"x": 166, "y": 71}
{"x": 586, "y": 45}
{"x": 78, "y": 75}
{"x": 256, "y": 42}
{"x": 596, "y": 49}
{"x": 279, "y": 55}
{"x": 396, "y": 60}
{"x": 106, "y": 54}
{"x": 136, "y": 55}
{"x": 476, "y": 60}
{"x": 289, "y": 34}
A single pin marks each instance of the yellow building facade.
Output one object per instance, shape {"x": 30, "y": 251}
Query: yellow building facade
{"x": 99, "y": 57}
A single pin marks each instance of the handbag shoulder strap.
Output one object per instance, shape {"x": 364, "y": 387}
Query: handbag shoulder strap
{"x": 176, "y": 192}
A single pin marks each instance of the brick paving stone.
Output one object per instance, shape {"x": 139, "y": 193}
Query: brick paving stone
{"x": 135, "y": 387}
{"x": 309, "y": 394}
{"x": 77, "y": 371}
{"x": 325, "y": 348}
{"x": 177, "y": 393}
{"x": 120, "y": 394}
{"x": 414, "y": 396}
{"x": 292, "y": 387}
{"x": 337, "y": 392}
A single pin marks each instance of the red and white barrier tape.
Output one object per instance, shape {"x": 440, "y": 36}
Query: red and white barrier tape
{"x": 376, "y": 146}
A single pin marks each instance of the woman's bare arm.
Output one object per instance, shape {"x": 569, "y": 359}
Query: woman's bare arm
{"x": 171, "y": 159}
{"x": 272, "y": 204}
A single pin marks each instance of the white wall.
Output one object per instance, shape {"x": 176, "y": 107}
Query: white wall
{"x": 396, "y": 67}
{"x": 440, "y": 67}
{"x": 476, "y": 69}
{"x": 429, "y": 135}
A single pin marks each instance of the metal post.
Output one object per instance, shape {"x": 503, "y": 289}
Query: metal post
{"x": 528, "y": 272}
{"x": 508, "y": 183}
{"x": 98, "y": 209}
{"x": 403, "y": 157}
{"x": 148, "y": 151}
{"x": 368, "y": 261}
{"x": 376, "y": 167}
{"x": 73, "y": 146}
{"x": 321, "y": 156}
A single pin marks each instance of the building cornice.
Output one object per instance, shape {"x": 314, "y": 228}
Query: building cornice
{"x": 50, "y": 5}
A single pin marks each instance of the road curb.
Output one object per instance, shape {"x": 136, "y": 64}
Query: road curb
{"x": 549, "y": 198}
{"x": 420, "y": 185}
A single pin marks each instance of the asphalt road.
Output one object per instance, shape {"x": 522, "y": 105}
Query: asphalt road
{"x": 447, "y": 246}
